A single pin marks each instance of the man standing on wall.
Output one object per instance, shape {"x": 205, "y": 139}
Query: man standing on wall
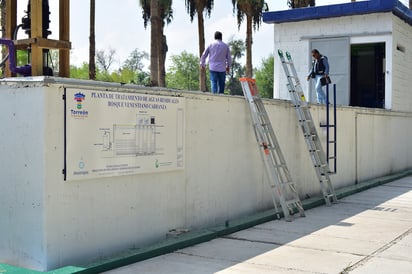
{"x": 219, "y": 62}
{"x": 320, "y": 69}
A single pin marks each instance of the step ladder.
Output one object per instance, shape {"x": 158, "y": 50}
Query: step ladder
{"x": 282, "y": 187}
{"x": 308, "y": 128}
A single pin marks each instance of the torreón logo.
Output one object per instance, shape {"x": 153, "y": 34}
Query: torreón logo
{"x": 79, "y": 112}
{"x": 79, "y": 98}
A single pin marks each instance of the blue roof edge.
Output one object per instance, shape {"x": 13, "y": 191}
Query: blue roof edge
{"x": 338, "y": 10}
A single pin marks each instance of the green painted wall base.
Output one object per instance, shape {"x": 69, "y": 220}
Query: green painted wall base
{"x": 199, "y": 236}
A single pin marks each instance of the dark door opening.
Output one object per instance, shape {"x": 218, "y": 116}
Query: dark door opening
{"x": 367, "y": 83}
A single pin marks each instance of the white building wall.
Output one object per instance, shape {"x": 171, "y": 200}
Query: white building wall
{"x": 295, "y": 37}
{"x": 51, "y": 223}
{"x": 402, "y": 65}
{"x": 22, "y": 169}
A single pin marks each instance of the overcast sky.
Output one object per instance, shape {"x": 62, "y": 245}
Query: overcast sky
{"x": 119, "y": 25}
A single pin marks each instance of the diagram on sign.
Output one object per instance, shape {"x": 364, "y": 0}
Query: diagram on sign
{"x": 137, "y": 139}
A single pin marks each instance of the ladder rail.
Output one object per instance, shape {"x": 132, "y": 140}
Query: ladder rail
{"x": 277, "y": 158}
{"x": 329, "y": 140}
{"x": 308, "y": 128}
{"x": 283, "y": 191}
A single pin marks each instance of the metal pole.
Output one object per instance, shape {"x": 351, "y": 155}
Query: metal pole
{"x": 334, "y": 127}
{"x": 327, "y": 123}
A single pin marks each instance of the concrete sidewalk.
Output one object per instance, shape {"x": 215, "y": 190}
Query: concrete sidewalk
{"x": 368, "y": 232}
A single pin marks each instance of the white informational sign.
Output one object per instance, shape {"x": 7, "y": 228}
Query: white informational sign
{"x": 121, "y": 133}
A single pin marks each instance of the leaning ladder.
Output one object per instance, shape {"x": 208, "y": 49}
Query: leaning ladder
{"x": 308, "y": 128}
{"x": 282, "y": 187}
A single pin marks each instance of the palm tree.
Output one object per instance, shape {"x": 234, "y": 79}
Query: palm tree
{"x": 157, "y": 12}
{"x": 302, "y": 3}
{"x": 253, "y": 10}
{"x": 92, "y": 42}
{"x": 198, "y": 7}
{"x": 166, "y": 14}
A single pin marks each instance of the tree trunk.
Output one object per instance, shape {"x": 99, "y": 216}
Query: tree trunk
{"x": 92, "y": 42}
{"x": 162, "y": 59}
{"x": 249, "y": 68}
{"x": 201, "y": 34}
{"x": 154, "y": 42}
{"x": 410, "y": 4}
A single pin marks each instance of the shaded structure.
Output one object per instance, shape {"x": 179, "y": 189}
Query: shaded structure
{"x": 36, "y": 24}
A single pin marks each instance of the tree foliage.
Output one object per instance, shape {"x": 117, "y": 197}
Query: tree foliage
{"x": 81, "y": 72}
{"x": 184, "y": 72}
{"x": 105, "y": 59}
{"x": 135, "y": 64}
{"x": 237, "y": 70}
{"x": 135, "y": 60}
{"x": 132, "y": 71}
{"x": 264, "y": 77}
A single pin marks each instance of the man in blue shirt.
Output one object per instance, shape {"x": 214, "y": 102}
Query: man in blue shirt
{"x": 320, "y": 69}
{"x": 219, "y": 62}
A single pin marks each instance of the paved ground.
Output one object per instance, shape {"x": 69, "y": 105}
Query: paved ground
{"x": 369, "y": 233}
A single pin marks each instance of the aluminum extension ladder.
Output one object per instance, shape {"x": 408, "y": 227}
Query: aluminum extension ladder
{"x": 308, "y": 128}
{"x": 282, "y": 187}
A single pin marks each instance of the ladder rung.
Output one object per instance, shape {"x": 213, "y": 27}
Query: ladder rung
{"x": 331, "y": 195}
{"x": 292, "y": 201}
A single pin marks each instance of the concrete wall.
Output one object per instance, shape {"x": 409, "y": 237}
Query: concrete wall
{"x": 48, "y": 222}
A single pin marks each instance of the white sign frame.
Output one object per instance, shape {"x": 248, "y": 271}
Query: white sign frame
{"x": 122, "y": 133}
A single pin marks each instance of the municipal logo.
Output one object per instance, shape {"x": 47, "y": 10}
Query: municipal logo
{"x": 79, "y": 112}
{"x": 79, "y": 98}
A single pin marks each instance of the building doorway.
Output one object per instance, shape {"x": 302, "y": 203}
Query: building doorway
{"x": 367, "y": 84}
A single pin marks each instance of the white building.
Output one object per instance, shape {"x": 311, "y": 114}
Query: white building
{"x": 368, "y": 44}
